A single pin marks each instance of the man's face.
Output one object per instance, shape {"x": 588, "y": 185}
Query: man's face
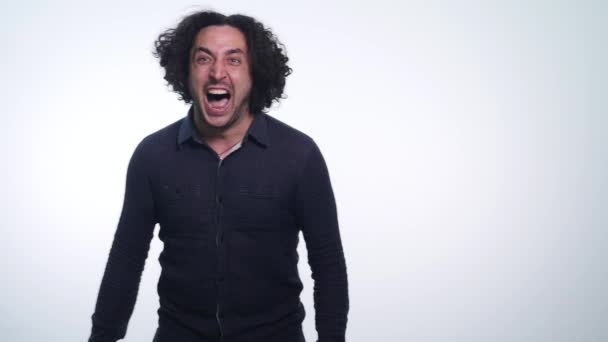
{"x": 220, "y": 80}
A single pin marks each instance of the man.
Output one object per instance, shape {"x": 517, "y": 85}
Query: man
{"x": 231, "y": 188}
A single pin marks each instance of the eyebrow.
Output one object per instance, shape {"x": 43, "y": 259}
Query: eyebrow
{"x": 207, "y": 51}
{"x": 203, "y": 49}
{"x": 233, "y": 51}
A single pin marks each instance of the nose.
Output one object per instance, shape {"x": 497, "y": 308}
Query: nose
{"x": 217, "y": 71}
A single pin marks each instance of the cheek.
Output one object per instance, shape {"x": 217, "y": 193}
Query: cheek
{"x": 197, "y": 76}
{"x": 244, "y": 82}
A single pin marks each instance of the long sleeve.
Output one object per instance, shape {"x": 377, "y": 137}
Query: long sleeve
{"x": 317, "y": 217}
{"x": 120, "y": 283}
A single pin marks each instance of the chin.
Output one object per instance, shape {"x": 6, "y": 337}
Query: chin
{"x": 216, "y": 121}
{"x": 219, "y": 121}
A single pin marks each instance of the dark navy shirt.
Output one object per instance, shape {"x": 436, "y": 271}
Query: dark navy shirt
{"x": 230, "y": 231}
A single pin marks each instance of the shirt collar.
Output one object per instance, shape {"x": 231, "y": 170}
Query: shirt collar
{"x": 258, "y": 129}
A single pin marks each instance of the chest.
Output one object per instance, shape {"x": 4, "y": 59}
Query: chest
{"x": 195, "y": 196}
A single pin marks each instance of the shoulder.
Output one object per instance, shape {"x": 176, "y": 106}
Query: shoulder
{"x": 296, "y": 149}
{"x": 289, "y": 139}
{"x": 158, "y": 143}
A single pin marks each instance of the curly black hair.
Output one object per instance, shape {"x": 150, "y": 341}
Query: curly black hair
{"x": 268, "y": 59}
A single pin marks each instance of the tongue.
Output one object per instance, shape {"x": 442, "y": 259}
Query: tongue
{"x": 218, "y": 104}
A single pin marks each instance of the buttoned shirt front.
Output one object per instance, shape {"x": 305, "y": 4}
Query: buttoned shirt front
{"x": 230, "y": 230}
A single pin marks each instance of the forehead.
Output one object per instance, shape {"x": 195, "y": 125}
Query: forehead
{"x": 218, "y": 38}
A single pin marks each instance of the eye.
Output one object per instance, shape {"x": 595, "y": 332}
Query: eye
{"x": 234, "y": 61}
{"x": 202, "y": 59}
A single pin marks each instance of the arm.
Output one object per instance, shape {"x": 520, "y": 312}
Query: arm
{"x": 127, "y": 257}
{"x": 317, "y": 217}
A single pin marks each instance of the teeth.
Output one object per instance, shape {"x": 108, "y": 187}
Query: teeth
{"x": 217, "y": 91}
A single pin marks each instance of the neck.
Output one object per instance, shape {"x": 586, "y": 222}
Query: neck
{"x": 220, "y": 138}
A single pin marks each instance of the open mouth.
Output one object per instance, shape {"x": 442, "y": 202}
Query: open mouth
{"x": 218, "y": 98}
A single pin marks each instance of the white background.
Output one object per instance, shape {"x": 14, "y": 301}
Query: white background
{"x": 466, "y": 143}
